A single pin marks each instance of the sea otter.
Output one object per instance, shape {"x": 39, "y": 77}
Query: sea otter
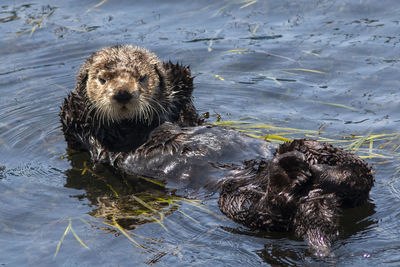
{"x": 122, "y": 94}
{"x": 134, "y": 113}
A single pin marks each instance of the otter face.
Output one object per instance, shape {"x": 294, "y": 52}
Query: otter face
{"x": 125, "y": 82}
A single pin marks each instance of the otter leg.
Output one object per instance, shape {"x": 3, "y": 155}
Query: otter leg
{"x": 315, "y": 211}
{"x": 316, "y": 220}
{"x": 350, "y": 184}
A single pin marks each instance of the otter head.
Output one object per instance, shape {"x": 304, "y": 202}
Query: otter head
{"x": 124, "y": 83}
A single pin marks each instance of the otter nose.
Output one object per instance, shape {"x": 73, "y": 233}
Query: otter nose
{"x": 123, "y": 96}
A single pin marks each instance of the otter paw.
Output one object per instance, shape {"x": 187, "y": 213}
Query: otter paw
{"x": 288, "y": 170}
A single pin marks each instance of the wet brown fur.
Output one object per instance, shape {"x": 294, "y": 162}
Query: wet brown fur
{"x": 302, "y": 188}
{"x": 91, "y": 114}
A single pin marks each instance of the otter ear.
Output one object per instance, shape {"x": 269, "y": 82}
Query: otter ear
{"x": 83, "y": 74}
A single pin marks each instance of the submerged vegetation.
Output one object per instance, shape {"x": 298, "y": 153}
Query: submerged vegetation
{"x": 124, "y": 209}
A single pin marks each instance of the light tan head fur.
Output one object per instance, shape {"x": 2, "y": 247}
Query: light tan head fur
{"x": 125, "y": 82}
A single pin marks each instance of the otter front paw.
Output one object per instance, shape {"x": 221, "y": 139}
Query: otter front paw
{"x": 288, "y": 170}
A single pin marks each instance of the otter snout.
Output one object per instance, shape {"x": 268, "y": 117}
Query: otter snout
{"x": 123, "y": 96}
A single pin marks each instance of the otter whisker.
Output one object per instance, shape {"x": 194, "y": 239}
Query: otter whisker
{"x": 154, "y": 108}
{"x": 155, "y": 104}
{"x": 140, "y": 111}
{"x": 106, "y": 114}
{"x": 146, "y": 111}
{"x": 154, "y": 112}
{"x": 157, "y": 111}
{"x": 90, "y": 109}
{"x": 149, "y": 114}
{"x": 99, "y": 114}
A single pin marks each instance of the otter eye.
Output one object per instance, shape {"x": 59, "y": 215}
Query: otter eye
{"x": 102, "y": 81}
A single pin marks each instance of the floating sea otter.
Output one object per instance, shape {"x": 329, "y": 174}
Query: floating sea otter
{"x": 135, "y": 113}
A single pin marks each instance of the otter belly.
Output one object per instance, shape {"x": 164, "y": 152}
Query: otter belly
{"x": 194, "y": 157}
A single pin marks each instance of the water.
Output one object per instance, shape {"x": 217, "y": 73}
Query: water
{"x": 327, "y": 66}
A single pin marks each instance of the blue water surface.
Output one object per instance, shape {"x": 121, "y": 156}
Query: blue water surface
{"x": 311, "y": 68}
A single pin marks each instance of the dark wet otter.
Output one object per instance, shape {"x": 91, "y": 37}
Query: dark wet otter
{"x": 302, "y": 189}
{"x": 135, "y": 113}
{"x": 122, "y": 94}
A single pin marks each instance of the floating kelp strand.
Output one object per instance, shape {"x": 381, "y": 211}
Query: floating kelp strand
{"x": 69, "y": 228}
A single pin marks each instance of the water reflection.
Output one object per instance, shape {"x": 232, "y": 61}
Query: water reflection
{"x": 8, "y": 13}
{"x": 286, "y": 249}
{"x": 128, "y": 202}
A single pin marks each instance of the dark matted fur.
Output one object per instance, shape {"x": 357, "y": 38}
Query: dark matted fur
{"x": 302, "y": 189}
{"x": 82, "y": 130}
